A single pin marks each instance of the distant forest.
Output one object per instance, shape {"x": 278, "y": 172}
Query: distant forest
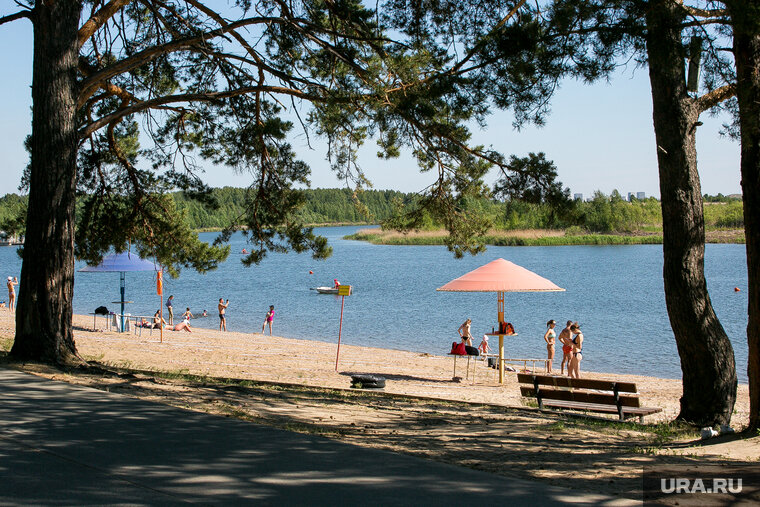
{"x": 323, "y": 206}
{"x": 600, "y": 214}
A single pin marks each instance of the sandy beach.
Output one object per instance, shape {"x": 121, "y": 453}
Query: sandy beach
{"x": 312, "y": 363}
{"x": 422, "y": 410}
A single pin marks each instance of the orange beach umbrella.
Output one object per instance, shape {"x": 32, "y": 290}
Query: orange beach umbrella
{"x": 500, "y": 276}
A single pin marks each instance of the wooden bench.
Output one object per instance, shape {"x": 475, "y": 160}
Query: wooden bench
{"x": 575, "y": 394}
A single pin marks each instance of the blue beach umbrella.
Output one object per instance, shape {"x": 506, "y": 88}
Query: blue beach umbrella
{"x": 122, "y": 263}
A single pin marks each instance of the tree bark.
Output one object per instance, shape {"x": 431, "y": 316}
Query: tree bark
{"x": 745, "y": 18}
{"x": 43, "y": 318}
{"x": 707, "y": 357}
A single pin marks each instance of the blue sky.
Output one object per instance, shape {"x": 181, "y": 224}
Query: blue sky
{"x": 600, "y": 137}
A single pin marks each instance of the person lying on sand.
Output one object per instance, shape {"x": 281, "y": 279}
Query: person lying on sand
{"x": 182, "y": 326}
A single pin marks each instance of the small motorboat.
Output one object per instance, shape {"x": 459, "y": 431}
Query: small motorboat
{"x": 326, "y": 290}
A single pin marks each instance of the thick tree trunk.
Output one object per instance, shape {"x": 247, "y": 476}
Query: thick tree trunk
{"x": 43, "y": 318}
{"x": 707, "y": 358}
{"x": 745, "y": 17}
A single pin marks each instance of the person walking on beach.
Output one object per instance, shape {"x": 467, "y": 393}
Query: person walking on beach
{"x": 565, "y": 338}
{"x": 170, "y": 308}
{"x": 269, "y": 318}
{"x": 574, "y": 369}
{"x": 222, "y": 318}
{"x": 549, "y": 336}
{"x": 464, "y": 332}
{"x": 12, "y": 282}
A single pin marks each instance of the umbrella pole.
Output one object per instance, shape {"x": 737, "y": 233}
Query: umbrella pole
{"x": 123, "y": 280}
{"x": 500, "y": 310}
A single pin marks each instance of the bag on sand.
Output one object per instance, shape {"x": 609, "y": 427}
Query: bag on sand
{"x": 458, "y": 349}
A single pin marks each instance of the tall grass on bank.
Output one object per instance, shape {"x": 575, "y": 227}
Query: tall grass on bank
{"x": 584, "y": 239}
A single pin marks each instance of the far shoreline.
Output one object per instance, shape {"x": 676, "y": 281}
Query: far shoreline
{"x": 535, "y": 237}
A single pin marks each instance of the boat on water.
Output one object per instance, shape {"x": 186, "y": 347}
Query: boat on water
{"x": 326, "y": 290}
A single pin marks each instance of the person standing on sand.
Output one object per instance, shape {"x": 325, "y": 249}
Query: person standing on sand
{"x": 170, "y": 307}
{"x": 12, "y": 282}
{"x": 574, "y": 368}
{"x": 464, "y": 332}
{"x": 549, "y": 339}
{"x": 222, "y": 318}
{"x": 269, "y": 318}
{"x": 565, "y": 338}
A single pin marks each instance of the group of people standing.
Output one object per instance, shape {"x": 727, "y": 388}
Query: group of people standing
{"x": 222, "y": 309}
{"x": 571, "y": 338}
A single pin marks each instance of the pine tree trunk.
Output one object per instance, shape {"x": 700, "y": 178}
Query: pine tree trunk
{"x": 43, "y": 318}
{"x": 745, "y": 16}
{"x": 707, "y": 357}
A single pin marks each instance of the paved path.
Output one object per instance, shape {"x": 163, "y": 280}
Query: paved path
{"x": 68, "y": 445}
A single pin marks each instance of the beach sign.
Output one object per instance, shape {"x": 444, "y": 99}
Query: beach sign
{"x": 343, "y": 291}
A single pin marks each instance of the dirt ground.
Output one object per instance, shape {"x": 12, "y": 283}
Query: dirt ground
{"x": 293, "y": 384}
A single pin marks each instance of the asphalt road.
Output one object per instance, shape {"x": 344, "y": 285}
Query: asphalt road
{"x": 67, "y": 445}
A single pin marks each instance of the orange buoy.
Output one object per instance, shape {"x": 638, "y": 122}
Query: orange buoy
{"x": 737, "y": 289}
{"x": 311, "y": 272}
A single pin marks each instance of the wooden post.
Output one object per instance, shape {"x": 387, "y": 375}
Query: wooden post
{"x": 343, "y": 291}
{"x": 340, "y": 328}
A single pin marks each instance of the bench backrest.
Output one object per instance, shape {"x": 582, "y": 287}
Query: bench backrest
{"x": 577, "y": 383}
{"x": 557, "y": 388}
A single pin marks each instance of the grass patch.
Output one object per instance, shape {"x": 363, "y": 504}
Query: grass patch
{"x": 6, "y": 343}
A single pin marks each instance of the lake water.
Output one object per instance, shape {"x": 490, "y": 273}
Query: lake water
{"x": 615, "y": 292}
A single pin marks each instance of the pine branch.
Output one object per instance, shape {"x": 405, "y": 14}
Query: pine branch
{"x": 715, "y": 97}
{"x": 193, "y": 97}
{"x": 17, "y": 15}
{"x": 99, "y": 19}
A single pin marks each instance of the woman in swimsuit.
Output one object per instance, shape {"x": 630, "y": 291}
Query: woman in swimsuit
{"x": 464, "y": 332}
{"x": 158, "y": 321}
{"x": 574, "y": 369}
{"x": 268, "y": 319}
{"x": 549, "y": 336}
